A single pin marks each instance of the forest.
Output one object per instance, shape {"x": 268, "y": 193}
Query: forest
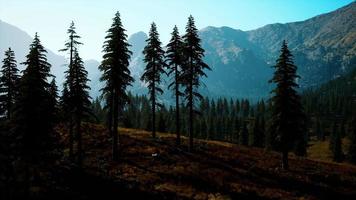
{"x": 64, "y": 144}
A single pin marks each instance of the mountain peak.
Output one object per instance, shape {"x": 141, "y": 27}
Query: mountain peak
{"x": 138, "y": 42}
{"x": 138, "y": 36}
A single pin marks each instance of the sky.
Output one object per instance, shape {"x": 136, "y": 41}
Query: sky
{"x": 51, "y": 18}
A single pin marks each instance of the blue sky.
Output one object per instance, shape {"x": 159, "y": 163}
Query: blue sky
{"x": 50, "y": 18}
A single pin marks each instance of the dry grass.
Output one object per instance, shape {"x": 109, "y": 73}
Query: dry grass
{"x": 216, "y": 170}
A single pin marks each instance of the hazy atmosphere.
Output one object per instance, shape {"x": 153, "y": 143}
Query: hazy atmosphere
{"x": 50, "y": 18}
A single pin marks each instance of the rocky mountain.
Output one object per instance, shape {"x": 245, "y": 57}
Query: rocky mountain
{"x": 19, "y": 41}
{"x": 324, "y": 48}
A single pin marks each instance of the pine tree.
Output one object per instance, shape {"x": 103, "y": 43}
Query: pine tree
{"x": 116, "y": 75}
{"x": 33, "y": 129}
{"x": 175, "y": 61}
{"x": 8, "y": 84}
{"x": 80, "y": 100}
{"x": 243, "y": 134}
{"x": 288, "y": 120}
{"x": 53, "y": 91}
{"x": 192, "y": 70}
{"x": 352, "y": 147}
{"x": 154, "y": 59}
{"x": 162, "y": 123}
{"x": 335, "y": 144}
{"x": 66, "y": 100}
{"x": 319, "y": 133}
{"x": 66, "y": 115}
{"x": 257, "y": 133}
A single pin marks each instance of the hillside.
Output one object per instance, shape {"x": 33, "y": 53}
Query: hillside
{"x": 156, "y": 169}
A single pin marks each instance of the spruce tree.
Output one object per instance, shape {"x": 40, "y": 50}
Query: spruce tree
{"x": 9, "y": 79}
{"x": 192, "y": 71}
{"x": 335, "y": 144}
{"x": 80, "y": 100}
{"x": 288, "y": 126}
{"x": 318, "y": 132}
{"x": 71, "y": 46}
{"x": 174, "y": 61}
{"x": 257, "y": 133}
{"x": 117, "y": 77}
{"x": 66, "y": 115}
{"x": 53, "y": 91}
{"x": 352, "y": 147}
{"x": 155, "y": 64}
{"x": 243, "y": 134}
{"x": 34, "y": 136}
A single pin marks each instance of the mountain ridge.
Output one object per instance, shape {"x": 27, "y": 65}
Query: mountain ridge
{"x": 324, "y": 47}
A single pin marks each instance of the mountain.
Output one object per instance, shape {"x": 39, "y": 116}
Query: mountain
{"x": 19, "y": 41}
{"x": 324, "y": 48}
{"x": 138, "y": 42}
{"x": 237, "y": 69}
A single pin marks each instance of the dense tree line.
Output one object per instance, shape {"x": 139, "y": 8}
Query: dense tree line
{"x": 220, "y": 119}
{"x": 331, "y": 110}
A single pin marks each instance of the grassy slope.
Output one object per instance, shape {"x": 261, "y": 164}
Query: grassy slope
{"x": 319, "y": 150}
{"x": 217, "y": 170}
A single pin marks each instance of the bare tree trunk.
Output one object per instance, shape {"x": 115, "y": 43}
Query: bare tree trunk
{"x": 153, "y": 114}
{"x": 191, "y": 104}
{"x": 115, "y": 149}
{"x": 153, "y": 96}
{"x": 177, "y": 106}
{"x": 79, "y": 137}
{"x": 110, "y": 114}
{"x": 71, "y": 138}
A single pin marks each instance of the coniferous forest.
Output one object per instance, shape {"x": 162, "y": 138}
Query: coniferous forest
{"x": 59, "y": 142}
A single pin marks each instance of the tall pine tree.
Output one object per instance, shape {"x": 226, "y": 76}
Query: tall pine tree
{"x": 192, "y": 71}
{"x": 33, "y": 129}
{"x": 116, "y": 76}
{"x": 288, "y": 126}
{"x": 155, "y": 64}
{"x": 80, "y": 98}
{"x": 174, "y": 61}
{"x": 66, "y": 100}
{"x": 9, "y": 79}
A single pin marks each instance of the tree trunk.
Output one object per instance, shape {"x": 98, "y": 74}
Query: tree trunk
{"x": 154, "y": 102}
{"x": 71, "y": 138}
{"x": 177, "y": 107}
{"x": 71, "y": 123}
{"x": 79, "y": 136}
{"x": 285, "y": 165}
{"x": 9, "y": 103}
{"x": 110, "y": 114}
{"x": 191, "y": 104}
{"x": 153, "y": 114}
{"x": 115, "y": 148}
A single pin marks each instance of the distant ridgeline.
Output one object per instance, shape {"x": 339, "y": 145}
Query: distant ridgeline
{"x": 323, "y": 47}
